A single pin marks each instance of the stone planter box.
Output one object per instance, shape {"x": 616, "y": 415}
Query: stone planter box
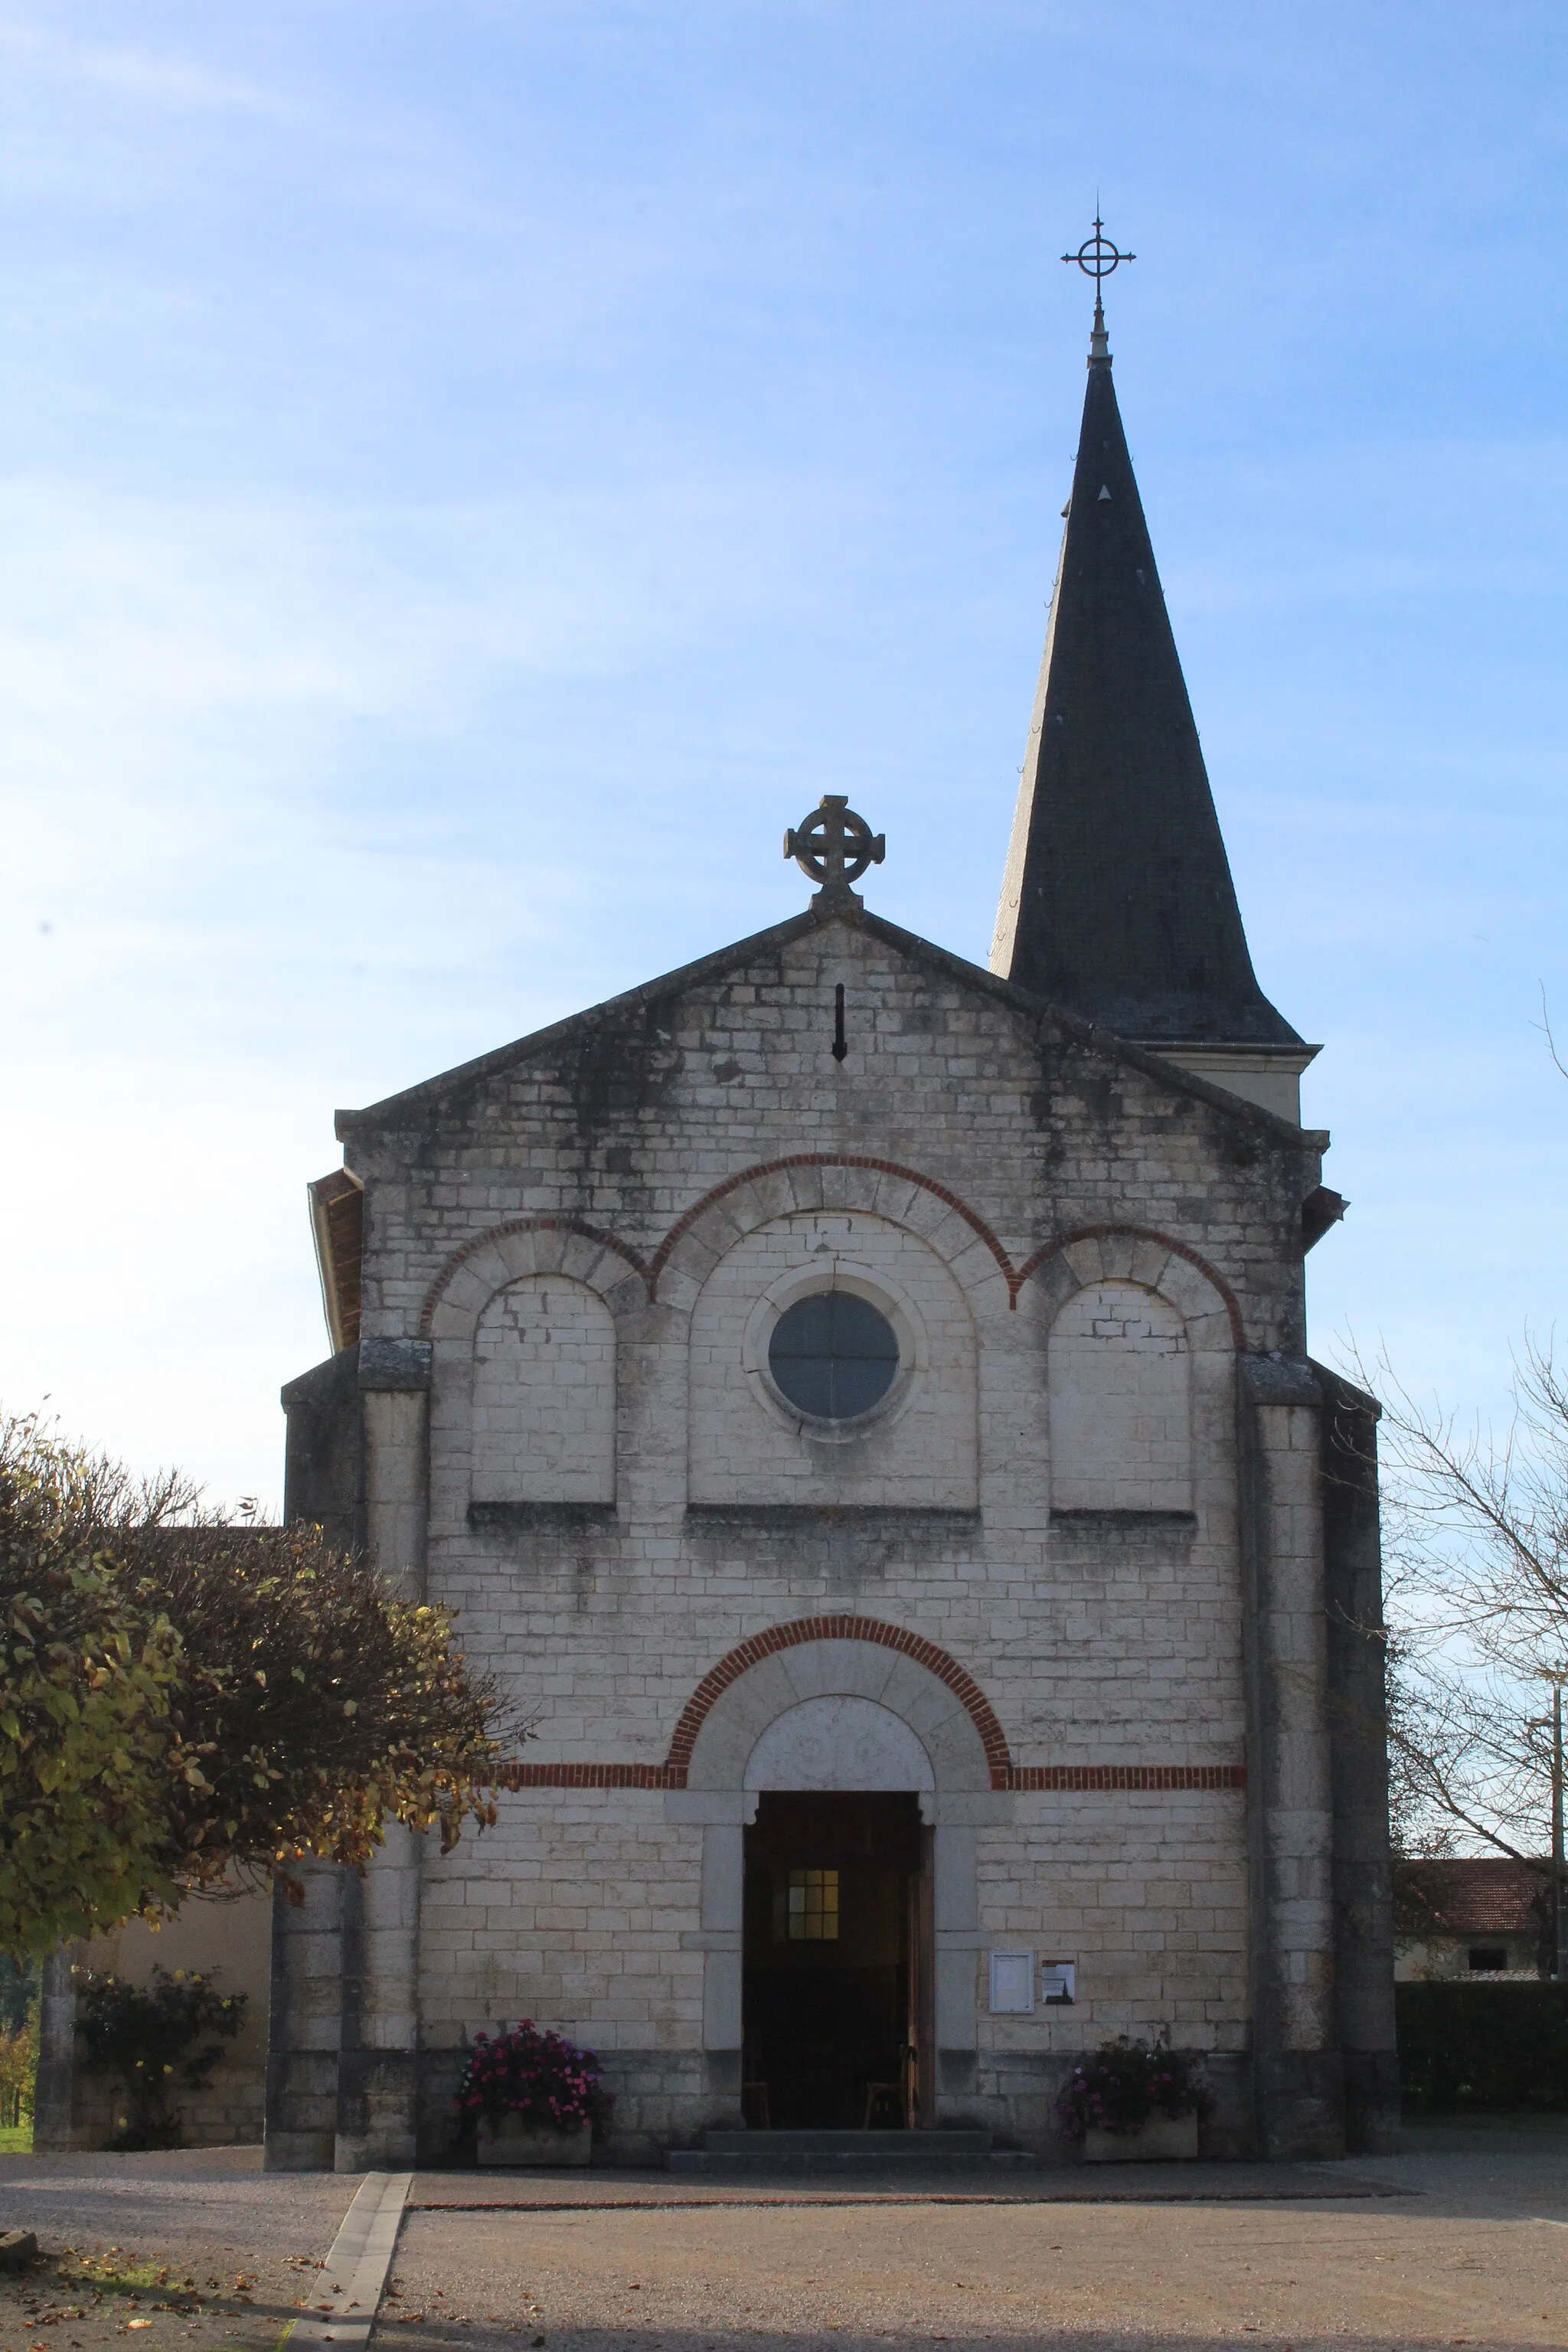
{"x": 1163, "y": 2139}
{"x": 512, "y": 2141}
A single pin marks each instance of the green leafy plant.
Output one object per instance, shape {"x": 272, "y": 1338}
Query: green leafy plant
{"x": 1483, "y": 2045}
{"x": 157, "y": 2038}
{"x": 541, "y": 2076}
{"x": 18, "y": 2071}
{"x": 85, "y": 1685}
{"x": 1119, "y": 2086}
{"x": 185, "y": 1702}
{"x": 20, "y": 1986}
{"x": 19, "y": 1991}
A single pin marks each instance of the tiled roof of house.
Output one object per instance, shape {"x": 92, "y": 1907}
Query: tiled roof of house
{"x": 1491, "y": 1896}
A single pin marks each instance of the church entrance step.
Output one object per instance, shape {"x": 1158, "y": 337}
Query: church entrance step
{"x": 839, "y": 2151}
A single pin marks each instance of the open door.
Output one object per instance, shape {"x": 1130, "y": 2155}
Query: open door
{"x": 837, "y": 1972}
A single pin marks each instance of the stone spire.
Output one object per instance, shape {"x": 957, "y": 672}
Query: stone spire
{"x": 1117, "y": 902}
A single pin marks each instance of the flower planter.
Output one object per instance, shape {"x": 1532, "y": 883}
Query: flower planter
{"x": 512, "y": 2080}
{"x": 512, "y": 2141}
{"x": 1163, "y": 2139}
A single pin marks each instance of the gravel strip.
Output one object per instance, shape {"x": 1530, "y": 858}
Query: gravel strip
{"x": 192, "y": 2251}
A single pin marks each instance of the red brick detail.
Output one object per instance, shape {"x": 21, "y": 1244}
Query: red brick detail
{"x": 588, "y": 1776}
{"x": 1127, "y": 1776}
{"x": 1136, "y": 1233}
{"x": 652, "y": 1268}
{"x": 1081, "y": 1778}
{"x": 522, "y": 1225}
{"x": 683, "y": 1224}
{"x": 751, "y": 1652}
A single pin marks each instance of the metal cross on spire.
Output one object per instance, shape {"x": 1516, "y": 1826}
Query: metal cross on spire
{"x": 1098, "y": 257}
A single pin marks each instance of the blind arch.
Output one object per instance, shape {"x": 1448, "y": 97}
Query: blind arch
{"x": 545, "y": 1395}
{"x": 1121, "y": 1402}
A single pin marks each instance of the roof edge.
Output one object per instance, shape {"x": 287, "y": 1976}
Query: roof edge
{"x": 404, "y": 1107}
{"x": 386, "y": 1113}
{"x": 1106, "y": 1041}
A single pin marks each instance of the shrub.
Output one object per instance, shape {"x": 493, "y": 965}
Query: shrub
{"x": 19, "y": 1991}
{"x": 20, "y": 1986}
{"x": 1483, "y": 2045}
{"x": 18, "y": 2070}
{"x": 151, "y": 2036}
{"x": 540, "y": 2076}
{"x": 1119, "y": 2086}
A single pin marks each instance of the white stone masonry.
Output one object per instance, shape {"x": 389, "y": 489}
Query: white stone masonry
{"x": 1121, "y": 1404}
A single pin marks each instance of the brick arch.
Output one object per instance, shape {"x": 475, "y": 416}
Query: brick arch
{"x": 650, "y": 1269}
{"x": 914, "y": 1646}
{"x": 698, "y": 1209}
{"x": 493, "y": 1233}
{"x": 1053, "y": 1249}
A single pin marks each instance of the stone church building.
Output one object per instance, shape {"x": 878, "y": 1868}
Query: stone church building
{"x": 858, "y": 1400}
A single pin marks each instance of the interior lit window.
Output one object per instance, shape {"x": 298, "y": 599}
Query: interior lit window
{"x": 832, "y": 1355}
{"x": 814, "y": 1907}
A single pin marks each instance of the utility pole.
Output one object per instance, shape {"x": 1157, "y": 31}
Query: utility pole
{"x": 1558, "y": 1940}
{"x": 1557, "y": 1964}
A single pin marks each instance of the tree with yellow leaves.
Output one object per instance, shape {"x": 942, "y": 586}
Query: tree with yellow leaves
{"x": 183, "y": 1701}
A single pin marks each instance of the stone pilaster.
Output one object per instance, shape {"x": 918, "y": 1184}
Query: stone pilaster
{"x": 378, "y": 2066}
{"x": 378, "y": 2062}
{"x": 1297, "y": 2073}
{"x": 1358, "y": 1723}
{"x": 305, "y": 2022}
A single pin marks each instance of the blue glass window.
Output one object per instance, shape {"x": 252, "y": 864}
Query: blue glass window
{"x": 832, "y": 1355}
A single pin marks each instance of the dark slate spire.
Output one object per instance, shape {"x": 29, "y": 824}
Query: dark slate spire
{"x": 1117, "y": 902}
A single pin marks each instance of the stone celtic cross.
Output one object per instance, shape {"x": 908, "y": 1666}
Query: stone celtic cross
{"x": 835, "y": 847}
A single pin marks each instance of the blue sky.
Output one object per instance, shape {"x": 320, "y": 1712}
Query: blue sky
{"x": 471, "y": 474}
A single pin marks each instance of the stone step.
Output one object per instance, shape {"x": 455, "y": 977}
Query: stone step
{"x": 840, "y": 2143}
{"x": 757, "y": 2152}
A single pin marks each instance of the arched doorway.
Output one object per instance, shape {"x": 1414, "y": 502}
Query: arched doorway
{"x": 840, "y": 1745}
{"x": 837, "y": 1954}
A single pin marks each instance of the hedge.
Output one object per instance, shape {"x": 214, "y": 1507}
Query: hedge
{"x": 1476, "y": 2045}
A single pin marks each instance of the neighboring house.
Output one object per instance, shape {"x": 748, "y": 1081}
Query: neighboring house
{"x": 859, "y": 1403}
{"x": 1488, "y": 1918}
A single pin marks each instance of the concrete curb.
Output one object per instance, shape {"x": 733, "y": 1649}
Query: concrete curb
{"x": 354, "y": 2277}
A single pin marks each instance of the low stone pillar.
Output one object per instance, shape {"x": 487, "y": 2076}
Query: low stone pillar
{"x": 54, "y": 2091}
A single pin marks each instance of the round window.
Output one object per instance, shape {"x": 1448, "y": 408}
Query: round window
{"x": 832, "y": 1355}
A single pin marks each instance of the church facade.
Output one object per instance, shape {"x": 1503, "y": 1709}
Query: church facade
{"x": 860, "y": 1403}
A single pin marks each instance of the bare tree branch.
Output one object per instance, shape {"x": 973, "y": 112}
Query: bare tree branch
{"x": 1551, "y": 1040}
{"x": 1477, "y": 1547}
